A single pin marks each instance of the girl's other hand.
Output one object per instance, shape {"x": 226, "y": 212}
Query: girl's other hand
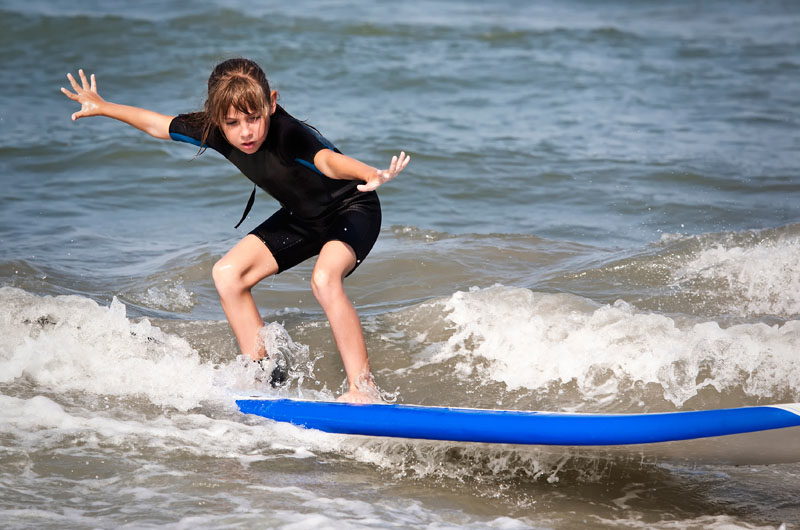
{"x": 85, "y": 94}
{"x": 383, "y": 176}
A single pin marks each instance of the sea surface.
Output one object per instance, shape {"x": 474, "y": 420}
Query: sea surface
{"x": 602, "y": 214}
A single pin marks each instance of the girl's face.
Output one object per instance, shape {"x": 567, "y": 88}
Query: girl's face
{"x": 245, "y": 131}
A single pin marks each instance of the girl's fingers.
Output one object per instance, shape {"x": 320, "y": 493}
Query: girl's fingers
{"x": 85, "y": 84}
{"x": 84, "y": 93}
{"x": 84, "y": 81}
{"x": 402, "y": 161}
{"x": 75, "y": 86}
{"x": 404, "y": 158}
{"x": 69, "y": 94}
{"x": 383, "y": 176}
{"x": 399, "y": 163}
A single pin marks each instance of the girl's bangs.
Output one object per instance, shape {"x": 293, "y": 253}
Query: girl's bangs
{"x": 247, "y": 97}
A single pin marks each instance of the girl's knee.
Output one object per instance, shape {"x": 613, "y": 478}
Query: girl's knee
{"x": 324, "y": 284}
{"x": 227, "y": 278}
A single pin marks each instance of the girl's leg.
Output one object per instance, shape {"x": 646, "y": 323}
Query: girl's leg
{"x": 246, "y": 264}
{"x": 335, "y": 260}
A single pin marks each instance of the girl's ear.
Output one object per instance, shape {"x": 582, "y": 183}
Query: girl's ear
{"x": 273, "y": 102}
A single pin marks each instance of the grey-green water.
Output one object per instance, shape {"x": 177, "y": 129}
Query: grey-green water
{"x": 601, "y": 215}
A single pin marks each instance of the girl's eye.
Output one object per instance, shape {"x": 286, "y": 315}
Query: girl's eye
{"x": 254, "y": 119}
{"x": 230, "y": 123}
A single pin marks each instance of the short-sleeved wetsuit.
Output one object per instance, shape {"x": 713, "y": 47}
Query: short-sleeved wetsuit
{"x": 314, "y": 209}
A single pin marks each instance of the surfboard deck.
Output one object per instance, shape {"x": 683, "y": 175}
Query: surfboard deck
{"x": 521, "y": 427}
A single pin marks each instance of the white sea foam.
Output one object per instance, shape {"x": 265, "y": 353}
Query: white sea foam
{"x": 533, "y": 339}
{"x": 311, "y": 510}
{"x": 171, "y": 296}
{"x": 41, "y": 422}
{"x": 528, "y": 339}
{"x": 71, "y": 343}
{"x": 48, "y": 426}
{"x": 759, "y": 278}
{"x": 707, "y": 522}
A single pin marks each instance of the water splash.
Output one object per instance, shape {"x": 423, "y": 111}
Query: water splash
{"x": 71, "y": 343}
{"x": 759, "y": 277}
{"x": 532, "y": 341}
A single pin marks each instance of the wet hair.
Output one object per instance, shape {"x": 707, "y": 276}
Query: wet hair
{"x": 239, "y": 83}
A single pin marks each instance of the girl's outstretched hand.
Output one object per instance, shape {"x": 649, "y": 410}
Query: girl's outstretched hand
{"x": 85, "y": 94}
{"x": 385, "y": 175}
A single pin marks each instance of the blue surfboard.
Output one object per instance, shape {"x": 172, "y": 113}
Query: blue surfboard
{"x": 520, "y": 427}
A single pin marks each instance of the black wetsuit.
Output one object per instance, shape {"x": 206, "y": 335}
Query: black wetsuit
{"x": 315, "y": 208}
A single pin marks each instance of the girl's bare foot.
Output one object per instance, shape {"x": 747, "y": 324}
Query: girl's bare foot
{"x": 364, "y": 391}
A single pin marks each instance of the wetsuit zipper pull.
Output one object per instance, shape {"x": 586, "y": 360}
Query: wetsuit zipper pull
{"x": 247, "y": 208}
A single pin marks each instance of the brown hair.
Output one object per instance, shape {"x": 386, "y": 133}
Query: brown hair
{"x": 239, "y": 83}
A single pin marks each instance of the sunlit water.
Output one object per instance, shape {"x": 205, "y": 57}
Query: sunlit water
{"x": 601, "y": 214}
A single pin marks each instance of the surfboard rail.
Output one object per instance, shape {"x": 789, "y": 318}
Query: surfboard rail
{"x": 520, "y": 427}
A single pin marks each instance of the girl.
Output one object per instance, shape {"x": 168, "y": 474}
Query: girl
{"x": 325, "y": 211}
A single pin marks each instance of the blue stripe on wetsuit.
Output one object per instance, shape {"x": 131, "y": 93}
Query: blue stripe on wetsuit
{"x": 324, "y": 141}
{"x": 309, "y": 165}
{"x": 178, "y": 137}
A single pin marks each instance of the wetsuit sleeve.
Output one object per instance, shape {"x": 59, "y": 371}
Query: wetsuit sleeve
{"x": 301, "y": 143}
{"x": 189, "y": 128}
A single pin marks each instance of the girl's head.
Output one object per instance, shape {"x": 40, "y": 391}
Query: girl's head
{"x": 240, "y": 103}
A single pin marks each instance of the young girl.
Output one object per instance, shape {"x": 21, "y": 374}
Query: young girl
{"x": 324, "y": 210}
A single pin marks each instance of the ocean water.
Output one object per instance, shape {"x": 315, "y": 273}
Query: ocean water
{"x": 601, "y": 215}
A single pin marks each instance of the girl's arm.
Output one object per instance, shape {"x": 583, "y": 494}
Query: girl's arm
{"x": 338, "y": 166}
{"x": 92, "y": 104}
